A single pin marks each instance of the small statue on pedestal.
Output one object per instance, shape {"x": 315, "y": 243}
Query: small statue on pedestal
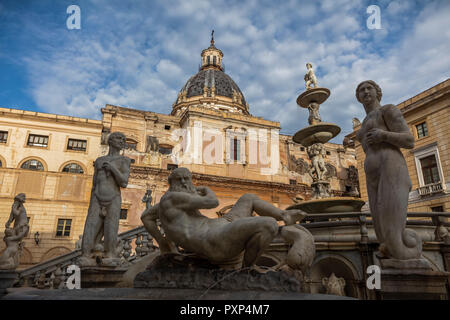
{"x": 310, "y": 77}
{"x": 9, "y": 260}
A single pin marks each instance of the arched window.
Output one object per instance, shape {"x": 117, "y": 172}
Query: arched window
{"x": 73, "y": 168}
{"x": 32, "y": 164}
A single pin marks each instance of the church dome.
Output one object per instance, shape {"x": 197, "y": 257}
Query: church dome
{"x": 211, "y": 87}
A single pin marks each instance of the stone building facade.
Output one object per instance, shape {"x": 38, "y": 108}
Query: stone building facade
{"x": 209, "y": 130}
{"x": 428, "y": 117}
{"x": 49, "y": 158}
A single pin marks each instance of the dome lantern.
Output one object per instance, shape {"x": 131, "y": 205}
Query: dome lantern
{"x": 212, "y": 57}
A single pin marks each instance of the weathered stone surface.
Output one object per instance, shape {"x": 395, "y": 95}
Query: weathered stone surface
{"x": 188, "y": 272}
{"x": 111, "y": 174}
{"x": 413, "y": 284}
{"x": 383, "y": 133}
{"x": 159, "y": 294}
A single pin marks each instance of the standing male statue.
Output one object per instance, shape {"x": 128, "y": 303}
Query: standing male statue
{"x": 13, "y": 236}
{"x": 223, "y": 240}
{"x": 111, "y": 173}
{"x": 383, "y": 132}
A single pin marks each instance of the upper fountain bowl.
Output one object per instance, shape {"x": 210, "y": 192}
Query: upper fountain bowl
{"x": 317, "y": 133}
{"x": 317, "y": 95}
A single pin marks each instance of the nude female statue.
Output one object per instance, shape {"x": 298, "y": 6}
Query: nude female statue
{"x": 383, "y": 132}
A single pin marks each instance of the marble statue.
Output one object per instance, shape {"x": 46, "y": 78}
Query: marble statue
{"x": 13, "y": 236}
{"x": 318, "y": 170}
{"x": 221, "y": 240}
{"x": 310, "y": 77}
{"x": 314, "y": 116}
{"x": 383, "y": 132}
{"x": 334, "y": 285}
{"x": 111, "y": 173}
{"x": 355, "y": 122}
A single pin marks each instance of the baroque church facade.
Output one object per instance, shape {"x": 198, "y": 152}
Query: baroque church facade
{"x": 209, "y": 130}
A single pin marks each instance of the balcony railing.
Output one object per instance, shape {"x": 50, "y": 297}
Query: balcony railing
{"x": 431, "y": 188}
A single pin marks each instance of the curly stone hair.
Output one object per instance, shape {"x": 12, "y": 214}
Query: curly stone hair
{"x": 375, "y": 85}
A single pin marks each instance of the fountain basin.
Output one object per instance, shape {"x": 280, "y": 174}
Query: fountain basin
{"x": 316, "y": 133}
{"x": 330, "y": 205}
{"x": 317, "y": 95}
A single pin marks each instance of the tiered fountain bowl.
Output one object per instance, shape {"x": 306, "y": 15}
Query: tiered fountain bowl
{"x": 321, "y": 132}
{"x": 330, "y": 205}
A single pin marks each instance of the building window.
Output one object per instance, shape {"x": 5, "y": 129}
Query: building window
{"x": 123, "y": 214}
{"x": 1, "y": 164}
{"x": 37, "y": 140}
{"x": 63, "y": 228}
{"x": 77, "y": 145}
{"x": 166, "y": 127}
{"x": 292, "y": 181}
{"x": 73, "y": 168}
{"x": 235, "y": 149}
{"x": 430, "y": 170}
{"x": 422, "y": 130}
{"x": 171, "y": 166}
{"x": 3, "y": 136}
{"x": 328, "y": 153}
{"x": 437, "y": 209}
{"x": 302, "y": 148}
{"x": 164, "y": 149}
{"x": 33, "y": 164}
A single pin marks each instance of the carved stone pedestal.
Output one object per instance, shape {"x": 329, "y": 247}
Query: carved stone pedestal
{"x": 101, "y": 276}
{"x": 174, "y": 271}
{"x": 7, "y": 279}
{"x": 413, "y": 284}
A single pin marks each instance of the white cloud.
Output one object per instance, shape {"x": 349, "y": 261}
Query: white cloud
{"x": 141, "y": 56}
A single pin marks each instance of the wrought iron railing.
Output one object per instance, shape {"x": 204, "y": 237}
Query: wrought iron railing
{"x": 431, "y": 188}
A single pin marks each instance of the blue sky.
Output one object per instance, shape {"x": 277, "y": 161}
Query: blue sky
{"x": 139, "y": 54}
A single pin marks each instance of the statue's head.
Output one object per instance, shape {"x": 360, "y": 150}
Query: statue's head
{"x": 20, "y": 197}
{"x": 180, "y": 180}
{"x": 372, "y": 86}
{"x": 309, "y": 65}
{"x": 117, "y": 139}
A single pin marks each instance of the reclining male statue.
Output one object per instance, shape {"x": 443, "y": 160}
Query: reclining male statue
{"x": 223, "y": 240}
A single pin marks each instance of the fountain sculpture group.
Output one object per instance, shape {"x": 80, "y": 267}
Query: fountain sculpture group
{"x": 198, "y": 252}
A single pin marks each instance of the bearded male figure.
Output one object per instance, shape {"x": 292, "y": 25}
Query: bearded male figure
{"x": 223, "y": 240}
